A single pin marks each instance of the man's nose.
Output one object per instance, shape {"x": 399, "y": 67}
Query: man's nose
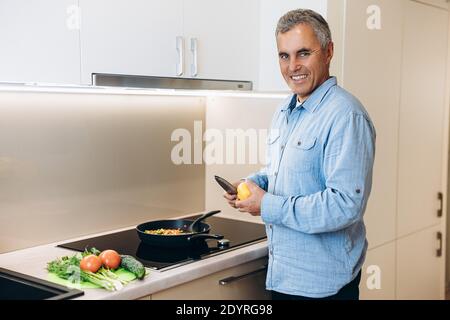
{"x": 294, "y": 64}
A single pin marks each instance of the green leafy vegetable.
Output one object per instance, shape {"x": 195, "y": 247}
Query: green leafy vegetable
{"x": 69, "y": 268}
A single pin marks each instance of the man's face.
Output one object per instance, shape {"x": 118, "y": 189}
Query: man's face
{"x": 304, "y": 65}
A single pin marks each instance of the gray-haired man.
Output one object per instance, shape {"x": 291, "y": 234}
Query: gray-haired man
{"x": 313, "y": 193}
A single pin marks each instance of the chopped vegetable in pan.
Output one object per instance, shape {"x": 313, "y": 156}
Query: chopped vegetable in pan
{"x": 165, "y": 232}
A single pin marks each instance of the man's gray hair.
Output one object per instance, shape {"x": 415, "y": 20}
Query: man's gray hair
{"x": 309, "y": 17}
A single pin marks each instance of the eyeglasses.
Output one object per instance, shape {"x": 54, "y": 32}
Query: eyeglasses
{"x": 302, "y": 55}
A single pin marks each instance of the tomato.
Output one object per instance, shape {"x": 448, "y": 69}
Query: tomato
{"x": 90, "y": 263}
{"x": 110, "y": 259}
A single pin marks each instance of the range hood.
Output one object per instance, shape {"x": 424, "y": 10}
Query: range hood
{"x": 131, "y": 81}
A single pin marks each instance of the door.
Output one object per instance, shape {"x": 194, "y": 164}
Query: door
{"x": 226, "y": 36}
{"x": 372, "y": 71}
{"x": 137, "y": 37}
{"x": 39, "y": 41}
{"x": 421, "y": 116}
{"x": 420, "y": 271}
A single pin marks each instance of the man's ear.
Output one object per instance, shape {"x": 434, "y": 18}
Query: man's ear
{"x": 330, "y": 52}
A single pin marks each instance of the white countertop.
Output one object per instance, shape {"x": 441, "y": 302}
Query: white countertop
{"x": 33, "y": 262}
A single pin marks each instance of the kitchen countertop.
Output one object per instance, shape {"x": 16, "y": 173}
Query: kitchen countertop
{"x": 33, "y": 261}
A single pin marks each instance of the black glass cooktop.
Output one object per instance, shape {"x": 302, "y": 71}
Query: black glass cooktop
{"x": 239, "y": 233}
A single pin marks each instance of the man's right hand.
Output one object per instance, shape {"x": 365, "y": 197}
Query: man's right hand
{"x": 231, "y": 198}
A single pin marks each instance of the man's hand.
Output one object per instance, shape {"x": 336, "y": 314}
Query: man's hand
{"x": 251, "y": 205}
{"x": 231, "y": 198}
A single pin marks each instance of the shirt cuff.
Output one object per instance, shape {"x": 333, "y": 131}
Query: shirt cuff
{"x": 257, "y": 180}
{"x": 271, "y": 208}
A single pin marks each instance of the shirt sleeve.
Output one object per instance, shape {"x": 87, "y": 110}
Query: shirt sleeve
{"x": 347, "y": 165}
{"x": 260, "y": 178}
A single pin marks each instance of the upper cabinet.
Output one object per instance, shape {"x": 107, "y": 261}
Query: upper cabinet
{"x": 174, "y": 38}
{"x": 39, "y": 41}
{"x": 66, "y": 41}
{"x": 131, "y": 37}
{"x": 221, "y": 39}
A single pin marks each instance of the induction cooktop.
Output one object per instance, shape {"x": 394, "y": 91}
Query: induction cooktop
{"x": 238, "y": 233}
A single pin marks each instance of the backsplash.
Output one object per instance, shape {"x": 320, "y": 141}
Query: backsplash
{"x": 75, "y": 164}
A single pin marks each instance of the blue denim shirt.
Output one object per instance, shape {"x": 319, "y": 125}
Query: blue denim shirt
{"x": 318, "y": 178}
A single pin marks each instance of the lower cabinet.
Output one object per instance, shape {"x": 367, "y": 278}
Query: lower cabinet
{"x": 409, "y": 268}
{"x": 243, "y": 282}
{"x": 420, "y": 265}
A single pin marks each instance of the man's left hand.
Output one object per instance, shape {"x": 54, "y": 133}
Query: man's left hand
{"x": 252, "y": 204}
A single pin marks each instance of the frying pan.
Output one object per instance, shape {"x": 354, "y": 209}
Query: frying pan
{"x": 200, "y": 231}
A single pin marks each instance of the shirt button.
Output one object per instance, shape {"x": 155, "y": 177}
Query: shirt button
{"x": 299, "y": 143}
{"x": 276, "y": 174}
{"x": 282, "y": 147}
{"x": 270, "y": 226}
{"x": 271, "y": 252}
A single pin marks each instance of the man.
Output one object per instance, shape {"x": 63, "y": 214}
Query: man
{"x": 313, "y": 192}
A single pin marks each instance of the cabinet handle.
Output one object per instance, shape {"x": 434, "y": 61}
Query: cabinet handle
{"x": 440, "y": 198}
{"x": 232, "y": 279}
{"x": 194, "y": 50}
{"x": 439, "y": 250}
{"x": 180, "y": 50}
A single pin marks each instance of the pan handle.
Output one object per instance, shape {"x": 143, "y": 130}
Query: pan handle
{"x": 191, "y": 228}
{"x": 204, "y": 236}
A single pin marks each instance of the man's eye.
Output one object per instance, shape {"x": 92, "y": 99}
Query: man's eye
{"x": 304, "y": 54}
{"x": 283, "y": 56}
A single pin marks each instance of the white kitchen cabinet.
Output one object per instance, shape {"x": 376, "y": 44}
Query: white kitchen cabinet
{"x": 398, "y": 67}
{"x": 420, "y": 271}
{"x": 372, "y": 73}
{"x": 378, "y": 274}
{"x": 174, "y": 38}
{"x": 243, "y": 282}
{"x": 422, "y": 110}
{"x": 136, "y": 37}
{"x": 39, "y": 41}
{"x": 224, "y": 33}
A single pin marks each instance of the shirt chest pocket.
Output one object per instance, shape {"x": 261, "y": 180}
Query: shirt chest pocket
{"x": 273, "y": 146}
{"x": 302, "y": 154}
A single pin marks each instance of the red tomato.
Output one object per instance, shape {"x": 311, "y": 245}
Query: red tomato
{"x": 110, "y": 259}
{"x": 90, "y": 263}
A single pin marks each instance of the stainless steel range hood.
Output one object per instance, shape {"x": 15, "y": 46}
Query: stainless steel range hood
{"x": 130, "y": 81}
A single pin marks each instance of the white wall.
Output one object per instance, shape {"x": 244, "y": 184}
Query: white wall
{"x": 237, "y": 113}
{"x": 270, "y": 78}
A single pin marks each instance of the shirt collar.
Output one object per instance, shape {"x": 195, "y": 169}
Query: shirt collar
{"x": 315, "y": 99}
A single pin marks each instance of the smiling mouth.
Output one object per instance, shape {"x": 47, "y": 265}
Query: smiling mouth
{"x": 299, "y": 77}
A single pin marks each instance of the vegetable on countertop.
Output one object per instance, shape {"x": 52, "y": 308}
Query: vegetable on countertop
{"x": 110, "y": 259}
{"x": 90, "y": 263}
{"x": 131, "y": 264}
{"x": 87, "y": 267}
{"x": 69, "y": 268}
